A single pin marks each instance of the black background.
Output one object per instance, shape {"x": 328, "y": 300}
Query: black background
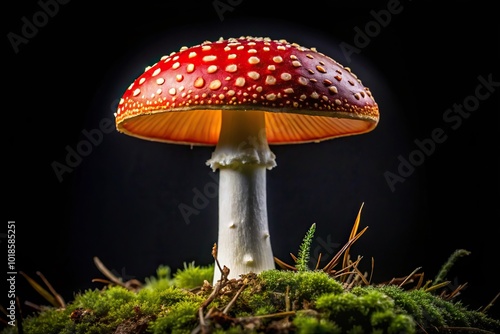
{"x": 120, "y": 202}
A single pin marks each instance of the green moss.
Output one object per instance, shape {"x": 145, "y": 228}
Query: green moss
{"x": 430, "y": 310}
{"x": 365, "y": 311}
{"x": 193, "y": 276}
{"x": 302, "y": 286}
{"x": 319, "y": 302}
{"x": 180, "y": 318}
{"x": 307, "y": 324}
{"x": 285, "y": 301}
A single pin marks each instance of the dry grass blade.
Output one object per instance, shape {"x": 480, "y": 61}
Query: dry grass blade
{"x": 318, "y": 262}
{"x": 409, "y": 277}
{"x": 102, "y": 268}
{"x": 44, "y": 293}
{"x": 333, "y": 262}
{"x": 352, "y": 235}
{"x": 437, "y": 286}
{"x": 284, "y": 265}
{"x": 490, "y": 304}
{"x": 58, "y": 297}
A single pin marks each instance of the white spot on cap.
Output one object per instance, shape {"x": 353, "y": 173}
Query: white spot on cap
{"x": 176, "y": 65}
{"x": 271, "y": 97}
{"x": 209, "y": 58}
{"x": 190, "y": 68}
{"x": 302, "y": 81}
{"x": 240, "y": 82}
{"x": 254, "y": 75}
{"x": 277, "y": 59}
{"x": 192, "y": 54}
{"x": 199, "y": 82}
{"x": 231, "y": 56}
{"x": 172, "y": 91}
{"x": 160, "y": 81}
{"x": 286, "y": 76}
{"x": 333, "y": 89}
{"x": 137, "y": 92}
{"x": 231, "y": 68}
{"x": 141, "y": 81}
{"x": 215, "y": 84}
{"x": 156, "y": 72}
{"x": 270, "y": 80}
{"x": 211, "y": 69}
{"x": 253, "y": 60}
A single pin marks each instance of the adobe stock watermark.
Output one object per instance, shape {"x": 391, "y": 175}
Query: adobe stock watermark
{"x": 31, "y": 25}
{"x": 222, "y": 6}
{"x": 92, "y": 138}
{"x": 453, "y": 118}
{"x": 363, "y": 36}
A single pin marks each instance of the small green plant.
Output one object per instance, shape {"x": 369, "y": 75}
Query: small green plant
{"x": 305, "y": 249}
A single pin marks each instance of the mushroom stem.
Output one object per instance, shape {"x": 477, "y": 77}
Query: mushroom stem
{"x": 242, "y": 156}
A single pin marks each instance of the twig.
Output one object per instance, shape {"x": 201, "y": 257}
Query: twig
{"x": 215, "y": 292}
{"x": 233, "y": 300}
{"x": 490, "y": 304}
{"x": 272, "y": 315}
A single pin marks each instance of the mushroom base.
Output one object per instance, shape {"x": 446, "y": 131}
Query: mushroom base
{"x": 244, "y": 243}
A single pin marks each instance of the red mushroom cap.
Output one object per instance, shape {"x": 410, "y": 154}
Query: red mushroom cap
{"x": 306, "y": 95}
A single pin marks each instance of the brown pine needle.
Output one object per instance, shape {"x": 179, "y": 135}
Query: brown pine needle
{"x": 284, "y": 265}
{"x": 352, "y": 235}
{"x": 333, "y": 262}
{"x": 437, "y": 286}
{"x": 44, "y": 293}
{"x": 58, "y": 297}
{"x": 233, "y": 300}
{"x": 318, "y": 262}
{"x": 490, "y": 304}
{"x": 409, "y": 276}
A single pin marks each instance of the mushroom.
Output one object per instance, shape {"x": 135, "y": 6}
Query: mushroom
{"x": 242, "y": 95}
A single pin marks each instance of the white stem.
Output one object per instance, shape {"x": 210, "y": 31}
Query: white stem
{"x": 242, "y": 156}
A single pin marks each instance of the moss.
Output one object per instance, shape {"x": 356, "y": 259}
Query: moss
{"x": 193, "y": 276}
{"x": 180, "y": 318}
{"x": 365, "y": 311}
{"x": 303, "y": 286}
{"x": 429, "y": 310}
{"x": 298, "y": 300}
{"x": 307, "y": 324}
{"x": 283, "y": 301}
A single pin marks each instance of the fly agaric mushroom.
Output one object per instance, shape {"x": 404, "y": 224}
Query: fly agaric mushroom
{"x": 240, "y": 95}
